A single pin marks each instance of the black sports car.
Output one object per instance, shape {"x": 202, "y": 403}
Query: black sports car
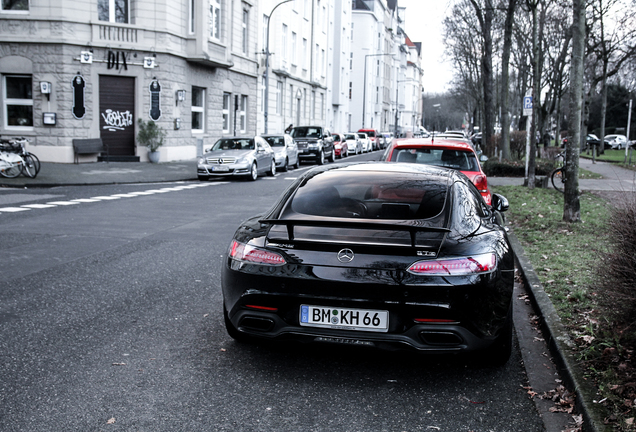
{"x": 387, "y": 255}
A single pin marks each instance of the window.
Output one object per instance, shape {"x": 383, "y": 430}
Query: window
{"x": 191, "y": 20}
{"x": 279, "y": 97}
{"x": 226, "y": 112}
{"x": 350, "y": 89}
{"x": 215, "y": 19}
{"x": 18, "y": 102}
{"x": 15, "y": 5}
{"x": 246, "y": 17}
{"x": 264, "y": 39}
{"x": 111, "y": 10}
{"x": 264, "y": 82}
{"x": 305, "y": 54}
{"x": 293, "y": 49}
{"x": 284, "y": 46}
{"x": 291, "y": 101}
{"x": 322, "y": 106}
{"x": 243, "y": 114}
{"x": 313, "y": 104}
{"x": 198, "y": 109}
{"x": 350, "y": 61}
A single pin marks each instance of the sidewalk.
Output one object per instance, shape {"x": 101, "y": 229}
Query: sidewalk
{"x": 57, "y": 174}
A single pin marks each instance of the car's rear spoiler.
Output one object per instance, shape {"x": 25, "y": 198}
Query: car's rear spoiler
{"x": 412, "y": 229}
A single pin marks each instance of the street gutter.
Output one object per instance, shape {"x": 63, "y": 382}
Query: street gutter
{"x": 560, "y": 344}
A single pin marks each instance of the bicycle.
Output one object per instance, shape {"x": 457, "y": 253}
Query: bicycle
{"x": 30, "y": 164}
{"x": 557, "y": 175}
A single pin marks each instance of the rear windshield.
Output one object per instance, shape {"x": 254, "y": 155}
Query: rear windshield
{"x": 370, "y": 195}
{"x": 306, "y": 132}
{"x": 370, "y": 133}
{"x": 277, "y": 141}
{"x": 456, "y": 159}
{"x": 234, "y": 144}
{"x": 350, "y": 137}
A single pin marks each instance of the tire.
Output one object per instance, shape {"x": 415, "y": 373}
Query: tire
{"x": 332, "y": 158}
{"x": 320, "y": 160}
{"x": 558, "y": 179}
{"x": 203, "y": 178}
{"x": 272, "y": 169}
{"x": 285, "y": 166}
{"x": 31, "y": 167}
{"x": 11, "y": 171}
{"x": 254, "y": 172}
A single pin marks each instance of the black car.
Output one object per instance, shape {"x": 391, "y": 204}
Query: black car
{"x": 385, "y": 255}
{"x": 314, "y": 143}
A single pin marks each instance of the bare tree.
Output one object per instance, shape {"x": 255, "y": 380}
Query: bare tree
{"x": 485, "y": 15}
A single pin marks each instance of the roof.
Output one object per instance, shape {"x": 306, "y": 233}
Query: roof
{"x": 448, "y": 143}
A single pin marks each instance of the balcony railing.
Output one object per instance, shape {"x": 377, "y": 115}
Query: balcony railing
{"x": 117, "y": 34}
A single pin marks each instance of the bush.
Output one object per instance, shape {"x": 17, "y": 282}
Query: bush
{"x": 617, "y": 269}
{"x": 494, "y": 168}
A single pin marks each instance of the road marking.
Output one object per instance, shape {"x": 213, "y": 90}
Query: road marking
{"x": 50, "y": 204}
{"x": 13, "y": 209}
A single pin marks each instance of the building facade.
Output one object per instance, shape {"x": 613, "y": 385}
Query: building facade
{"x": 74, "y": 69}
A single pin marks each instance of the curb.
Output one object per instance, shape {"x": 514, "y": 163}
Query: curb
{"x": 560, "y": 344}
{"x": 53, "y": 184}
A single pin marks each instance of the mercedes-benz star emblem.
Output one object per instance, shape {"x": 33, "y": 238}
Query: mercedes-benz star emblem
{"x": 345, "y": 256}
{"x": 221, "y": 161}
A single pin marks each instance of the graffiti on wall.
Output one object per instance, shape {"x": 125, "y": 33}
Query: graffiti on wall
{"x": 117, "y": 120}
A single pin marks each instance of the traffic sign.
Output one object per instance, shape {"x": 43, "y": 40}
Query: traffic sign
{"x": 527, "y": 105}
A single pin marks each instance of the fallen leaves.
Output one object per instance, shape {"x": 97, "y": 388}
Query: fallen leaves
{"x": 111, "y": 420}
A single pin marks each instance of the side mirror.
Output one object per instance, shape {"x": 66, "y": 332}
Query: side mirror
{"x": 500, "y": 203}
{"x": 206, "y": 150}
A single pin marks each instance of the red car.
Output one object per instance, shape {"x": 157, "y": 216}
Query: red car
{"x": 340, "y": 145}
{"x": 451, "y": 153}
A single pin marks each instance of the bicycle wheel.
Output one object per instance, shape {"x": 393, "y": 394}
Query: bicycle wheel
{"x": 30, "y": 168}
{"x": 11, "y": 170}
{"x": 32, "y": 161}
{"x": 558, "y": 179}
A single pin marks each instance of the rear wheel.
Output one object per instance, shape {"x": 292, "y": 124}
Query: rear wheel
{"x": 332, "y": 158}
{"x": 30, "y": 168}
{"x": 272, "y": 169}
{"x": 558, "y": 179}
{"x": 321, "y": 158}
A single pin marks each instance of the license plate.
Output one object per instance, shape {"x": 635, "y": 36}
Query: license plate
{"x": 344, "y": 318}
{"x": 220, "y": 168}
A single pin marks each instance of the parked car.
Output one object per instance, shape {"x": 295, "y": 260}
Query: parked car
{"x": 374, "y": 138}
{"x": 386, "y": 138}
{"x": 237, "y": 157}
{"x": 340, "y": 145}
{"x": 615, "y": 142}
{"x": 364, "y": 141}
{"x": 451, "y": 153}
{"x": 314, "y": 143}
{"x": 389, "y": 256}
{"x": 285, "y": 151}
{"x": 353, "y": 143}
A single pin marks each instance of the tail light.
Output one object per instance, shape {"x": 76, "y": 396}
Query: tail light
{"x": 251, "y": 254}
{"x": 477, "y": 264}
{"x": 481, "y": 183}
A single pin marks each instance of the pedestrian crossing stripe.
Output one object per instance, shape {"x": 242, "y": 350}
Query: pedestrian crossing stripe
{"x": 77, "y": 201}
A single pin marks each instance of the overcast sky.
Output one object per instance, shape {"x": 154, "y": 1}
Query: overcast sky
{"x": 423, "y": 23}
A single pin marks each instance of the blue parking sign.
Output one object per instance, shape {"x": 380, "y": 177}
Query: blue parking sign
{"x": 527, "y": 102}
{"x": 527, "y": 105}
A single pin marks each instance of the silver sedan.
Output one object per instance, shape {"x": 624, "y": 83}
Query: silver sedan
{"x": 237, "y": 156}
{"x": 285, "y": 150}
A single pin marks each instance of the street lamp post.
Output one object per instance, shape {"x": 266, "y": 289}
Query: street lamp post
{"x": 267, "y": 54}
{"x": 364, "y": 90}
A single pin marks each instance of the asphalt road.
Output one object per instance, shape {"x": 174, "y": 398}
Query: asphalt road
{"x": 110, "y": 320}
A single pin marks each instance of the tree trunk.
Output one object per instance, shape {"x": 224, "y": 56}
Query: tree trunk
{"x": 571, "y": 203}
{"x": 505, "y": 80}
